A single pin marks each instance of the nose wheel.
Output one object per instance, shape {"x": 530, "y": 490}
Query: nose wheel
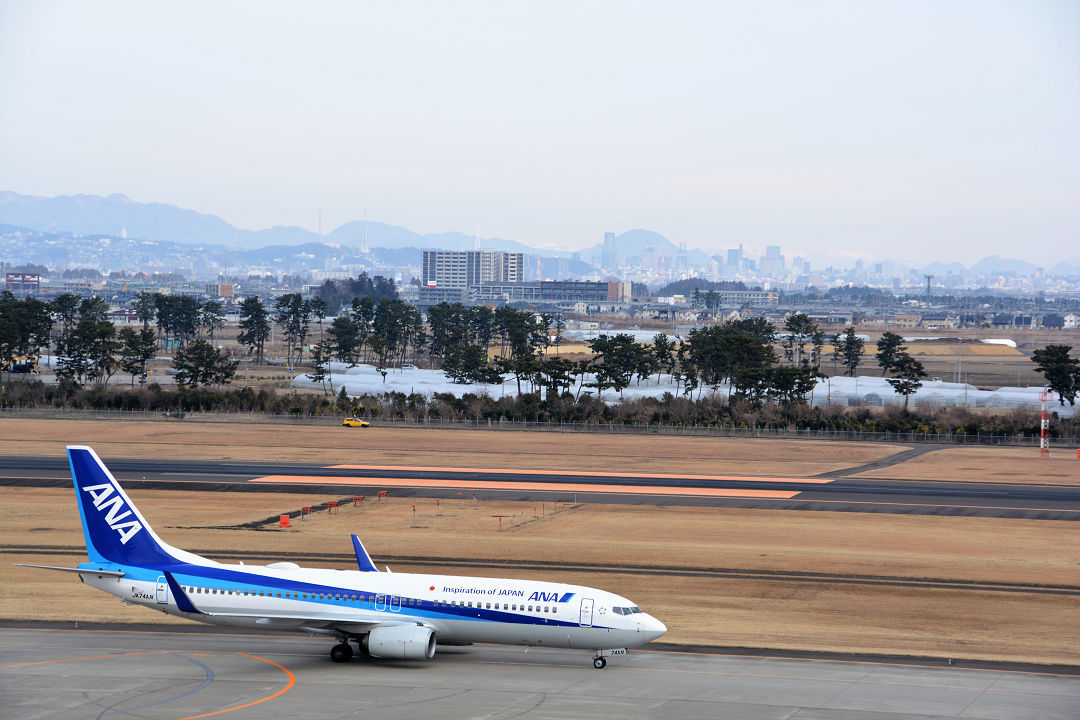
{"x": 341, "y": 653}
{"x": 599, "y": 663}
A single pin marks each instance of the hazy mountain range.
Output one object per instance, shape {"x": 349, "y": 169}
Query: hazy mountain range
{"x": 117, "y": 214}
{"x": 93, "y": 214}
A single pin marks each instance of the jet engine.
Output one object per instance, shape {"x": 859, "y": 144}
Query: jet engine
{"x": 402, "y": 642}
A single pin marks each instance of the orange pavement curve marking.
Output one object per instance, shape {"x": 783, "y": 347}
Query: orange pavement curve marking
{"x": 813, "y": 481}
{"x": 550, "y": 487}
{"x": 282, "y": 691}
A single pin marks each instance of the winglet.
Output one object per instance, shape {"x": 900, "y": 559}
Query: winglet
{"x": 183, "y": 602}
{"x": 363, "y": 560}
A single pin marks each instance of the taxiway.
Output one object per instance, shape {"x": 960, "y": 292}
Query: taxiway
{"x": 182, "y": 675}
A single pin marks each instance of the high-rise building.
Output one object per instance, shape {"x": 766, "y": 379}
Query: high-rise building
{"x": 735, "y": 259}
{"x": 609, "y": 259}
{"x": 772, "y": 265}
{"x": 460, "y": 269}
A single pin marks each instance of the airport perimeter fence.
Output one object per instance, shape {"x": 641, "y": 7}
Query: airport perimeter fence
{"x": 788, "y": 433}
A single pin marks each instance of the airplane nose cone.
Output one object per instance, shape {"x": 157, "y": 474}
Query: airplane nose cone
{"x": 654, "y": 628}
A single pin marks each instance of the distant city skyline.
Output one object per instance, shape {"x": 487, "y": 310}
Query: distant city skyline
{"x": 121, "y": 217}
{"x": 912, "y": 131}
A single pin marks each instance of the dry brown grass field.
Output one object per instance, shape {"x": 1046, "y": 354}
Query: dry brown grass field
{"x": 985, "y": 464}
{"x": 444, "y": 448}
{"x": 779, "y": 614}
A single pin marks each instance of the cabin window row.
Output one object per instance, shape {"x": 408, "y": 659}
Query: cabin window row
{"x": 410, "y": 602}
{"x": 513, "y": 607}
{"x": 195, "y": 590}
{"x": 295, "y": 596}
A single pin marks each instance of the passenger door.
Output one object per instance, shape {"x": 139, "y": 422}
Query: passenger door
{"x": 162, "y": 590}
{"x": 586, "y": 612}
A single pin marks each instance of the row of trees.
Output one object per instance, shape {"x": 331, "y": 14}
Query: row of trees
{"x": 177, "y": 317}
{"x": 472, "y": 344}
{"x": 669, "y": 410}
{"x": 481, "y": 345}
{"x": 89, "y": 349}
{"x": 338, "y": 294}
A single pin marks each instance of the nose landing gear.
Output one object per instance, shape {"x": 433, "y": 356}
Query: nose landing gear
{"x": 599, "y": 660}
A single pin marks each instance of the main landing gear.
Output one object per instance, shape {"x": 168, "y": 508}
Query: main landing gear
{"x": 341, "y": 653}
{"x": 599, "y": 663}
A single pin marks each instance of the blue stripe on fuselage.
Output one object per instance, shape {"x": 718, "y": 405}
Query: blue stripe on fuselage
{"x": 239, "y": 582}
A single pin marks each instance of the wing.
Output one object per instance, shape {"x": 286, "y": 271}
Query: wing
{"x": 319, "y": 623}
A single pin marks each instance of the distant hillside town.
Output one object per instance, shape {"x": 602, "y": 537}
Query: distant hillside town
{"x": 116, "y": 248}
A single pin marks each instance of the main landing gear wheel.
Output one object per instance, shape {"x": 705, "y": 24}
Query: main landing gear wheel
{"x": 599, "y": 663}
{"x": 341, "y": 653}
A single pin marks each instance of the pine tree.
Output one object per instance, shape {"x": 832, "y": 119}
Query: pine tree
{"x": 849, "y": 350}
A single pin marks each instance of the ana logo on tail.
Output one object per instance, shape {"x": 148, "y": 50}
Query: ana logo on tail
{"x": 113, "y": 516}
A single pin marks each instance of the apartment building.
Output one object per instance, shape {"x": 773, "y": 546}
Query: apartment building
{"x": 460, "y": 269}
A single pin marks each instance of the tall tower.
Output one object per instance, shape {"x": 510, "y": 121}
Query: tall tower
{"x": 609, "y": 259}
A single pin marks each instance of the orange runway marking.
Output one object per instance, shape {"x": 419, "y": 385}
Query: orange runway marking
{"x": 814, "y": 481}
{"x": 547, "y": 487}
{"x": 282, "y": 691}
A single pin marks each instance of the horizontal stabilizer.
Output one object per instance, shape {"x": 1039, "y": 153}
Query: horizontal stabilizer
{"x": 363, "y": 560}
{"x": 87, "y": 571}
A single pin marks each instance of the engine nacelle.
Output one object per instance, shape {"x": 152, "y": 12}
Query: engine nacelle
{"x": 402, "y": 642}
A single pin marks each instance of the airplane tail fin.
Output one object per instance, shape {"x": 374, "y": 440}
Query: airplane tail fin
{"x": 115, "y": 531}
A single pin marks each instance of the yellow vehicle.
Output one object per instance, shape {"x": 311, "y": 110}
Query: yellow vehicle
{"x": 355, "y": 422}
{"x": 20, "y": 364}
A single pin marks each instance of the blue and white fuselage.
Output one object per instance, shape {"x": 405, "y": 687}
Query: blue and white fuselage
{"x": 399, "y": 615}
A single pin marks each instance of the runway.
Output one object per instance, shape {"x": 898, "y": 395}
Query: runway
{"x": 833, "y": 492}
{"x": 182, "y": 675}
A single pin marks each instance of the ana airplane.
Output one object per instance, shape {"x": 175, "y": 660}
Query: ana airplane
{"x": 387, "y": 615}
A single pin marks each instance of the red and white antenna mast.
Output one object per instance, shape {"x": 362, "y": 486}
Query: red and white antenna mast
{"x": 1044, "y": 424}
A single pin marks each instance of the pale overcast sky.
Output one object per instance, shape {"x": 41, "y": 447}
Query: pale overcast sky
{"x": 944, "y": 129}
